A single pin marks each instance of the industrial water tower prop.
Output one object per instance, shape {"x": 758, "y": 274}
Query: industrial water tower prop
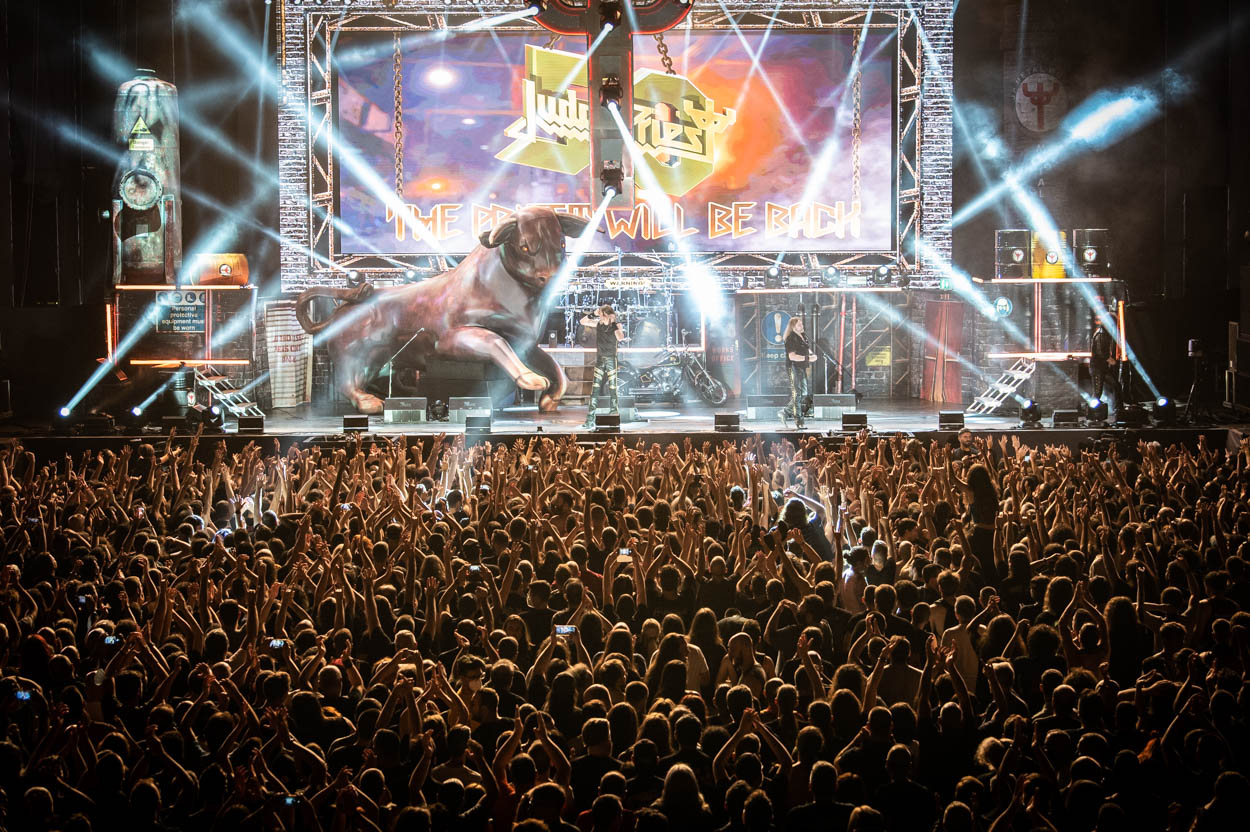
{"x": 147, "y": 205}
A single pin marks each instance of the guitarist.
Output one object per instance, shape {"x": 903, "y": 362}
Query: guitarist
{"x": 1102, "y": 355}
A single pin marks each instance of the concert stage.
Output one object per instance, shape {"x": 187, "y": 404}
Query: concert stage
{"x": 655, "y": 424}
{"x": 481, "y": 201}
{"x": 668, "y": 419}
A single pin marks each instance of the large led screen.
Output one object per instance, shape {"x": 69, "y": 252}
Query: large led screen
{"x": 761, "y": 140}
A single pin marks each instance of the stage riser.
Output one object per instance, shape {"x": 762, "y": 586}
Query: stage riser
{"x": 764, "y": 407}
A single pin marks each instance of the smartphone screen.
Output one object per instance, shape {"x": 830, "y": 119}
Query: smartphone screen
{"x": 565, "y": 629}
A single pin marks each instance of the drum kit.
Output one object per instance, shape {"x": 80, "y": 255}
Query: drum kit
{"x": 647, "y": 317}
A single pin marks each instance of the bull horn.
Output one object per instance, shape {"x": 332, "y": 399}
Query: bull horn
{"x": 500, "y": 234}
{"x": 571, "y": 225}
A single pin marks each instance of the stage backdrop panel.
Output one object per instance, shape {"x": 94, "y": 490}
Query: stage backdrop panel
{"x": 336, "y": 136}
{"x": 494, "y": 120}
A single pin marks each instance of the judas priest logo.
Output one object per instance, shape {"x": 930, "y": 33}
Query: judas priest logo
{"x": 675, "y": 124}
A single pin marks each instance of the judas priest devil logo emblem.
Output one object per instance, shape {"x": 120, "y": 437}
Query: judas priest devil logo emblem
{"x": 675, "y": 124}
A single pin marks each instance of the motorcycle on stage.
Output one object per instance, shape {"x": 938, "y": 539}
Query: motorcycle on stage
{"x": 666, "y": 379}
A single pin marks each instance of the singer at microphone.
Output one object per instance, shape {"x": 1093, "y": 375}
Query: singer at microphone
{"x": 799, "y": 356}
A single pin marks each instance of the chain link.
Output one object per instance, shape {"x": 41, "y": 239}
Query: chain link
{"x": 662, "y": 48}
{"x": 551, "y": 41}
{"x": 399, "y": 120}
{"x": 857, "y": 96}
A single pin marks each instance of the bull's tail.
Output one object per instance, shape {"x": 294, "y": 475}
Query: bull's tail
{"x": 306, "y": 298}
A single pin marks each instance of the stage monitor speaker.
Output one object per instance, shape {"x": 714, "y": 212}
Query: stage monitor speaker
{"x": 608, "y": 423}
{"x": 854, "y": 421}
{"x": 1131, "y": 415}
{"x": 1011, "y": 259}
{"x": 212, "y": 418}
{"x": 950, "y": 420}
{"x": 98, "y": 424}
{"x": 405, "y": 409}
{"x": 460, "y": 408}
{"x": 1091, "y": 250}
{"x": 477, "y": 424}
{"x": 355, "y": 423}
{"x": 251, "y": 425}
{"x": 1066, "y": 418}
{"x": 726, "y": 422}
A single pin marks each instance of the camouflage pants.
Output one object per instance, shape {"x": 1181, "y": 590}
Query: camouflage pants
{"x": 605, "y": 373}
{"x": 798, "y": 391}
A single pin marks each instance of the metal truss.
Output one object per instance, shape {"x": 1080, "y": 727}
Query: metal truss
{"x": 308, "y": 171}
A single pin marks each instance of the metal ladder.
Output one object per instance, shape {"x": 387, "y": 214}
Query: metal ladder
{"x": 998, "y": 392}
{"x": 234, "y": 401}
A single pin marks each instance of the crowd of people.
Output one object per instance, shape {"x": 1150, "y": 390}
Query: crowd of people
{"x": 873, "y": 633}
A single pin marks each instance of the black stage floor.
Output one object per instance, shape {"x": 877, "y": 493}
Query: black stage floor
{"x": 655, "y": 423}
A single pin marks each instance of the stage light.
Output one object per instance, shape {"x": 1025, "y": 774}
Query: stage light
{"x": 831, "y": 276}
{"x": 1164, "y": 411}
{"x": 613, "y": 178}
{"x": 410, "y": 275}
{"x": 610, "y": 91}
{"x": 610, "y": 13}
{"x": 1030, "y": 413}
{"x": 1089, "y": 254}
{"x": 136, "y": 411}
{"x": 1096, "y": 410}
{"x": 671, "y": 245}
{"x": 440, "y": 78}
{"x": 881, "y": 275}
{"x": 774, "y": 272}
{"x": 64, "y": 411}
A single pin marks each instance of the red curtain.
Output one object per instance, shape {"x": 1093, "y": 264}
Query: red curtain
{"x": 944, "y": 324}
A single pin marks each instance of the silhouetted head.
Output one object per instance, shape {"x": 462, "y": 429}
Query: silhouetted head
{"x": 531, "y": 243}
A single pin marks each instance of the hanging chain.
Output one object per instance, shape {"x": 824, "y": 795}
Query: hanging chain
{"x": 551, "y": 41}
{"x": 399, "y": 120}
{"x": 857, "y": 95}
{"x": 662, "y": 48}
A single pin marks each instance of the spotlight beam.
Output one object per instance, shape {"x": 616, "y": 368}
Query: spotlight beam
{"x": 768, "y": 82}
{"x": 917, "y": 331}
{"x": 229, "y": 40}
{"x": 582, "y": 61}
{"x": 823, "y": 164}
{"x": 768, "y": 31}
{"x": 498, "y": 20}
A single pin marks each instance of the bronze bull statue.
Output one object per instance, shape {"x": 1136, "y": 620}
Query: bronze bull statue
{"x": 486, "y": 308}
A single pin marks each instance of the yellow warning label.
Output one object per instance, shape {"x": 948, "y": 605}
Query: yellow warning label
{"x": 878, "y": 357}
{"x": 140, "y": 127}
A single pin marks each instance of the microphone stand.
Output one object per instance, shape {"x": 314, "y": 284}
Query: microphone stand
{"x": 390, "y": 364}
